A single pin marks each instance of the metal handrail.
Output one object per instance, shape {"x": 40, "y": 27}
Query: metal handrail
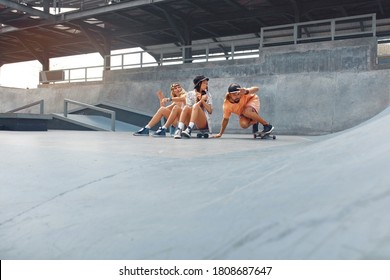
{"x": 110, "y": 112}
{"x": 41, "y": 107}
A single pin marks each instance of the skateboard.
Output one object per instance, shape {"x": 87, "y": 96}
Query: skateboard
{"x": 264, "y": 135}
{"x": 203, "y": 134}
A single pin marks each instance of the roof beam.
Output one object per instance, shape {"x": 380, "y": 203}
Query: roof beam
{"x": 173, "y": 23}
{"x": 39, "y": 56}
{"x": 106, "y": 9}
{"x": 238, "y": 6}
{"x": 296, "y": 11}
{"x": 55, "y": 19}
{"x": 92, "y": 38}
{"x": 28, "y": 10}
{"x": 380, "y": 6}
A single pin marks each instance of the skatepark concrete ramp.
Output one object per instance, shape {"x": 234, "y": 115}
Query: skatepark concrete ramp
{"x": 114, "y": 196}
{"x": 95, "y": 118}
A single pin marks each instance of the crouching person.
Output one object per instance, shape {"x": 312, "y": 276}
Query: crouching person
{"x": 245, "y": 103}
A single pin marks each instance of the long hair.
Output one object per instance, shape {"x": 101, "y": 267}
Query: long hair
{"x": 197, "y": 87}
{"x": 181, "y": 93}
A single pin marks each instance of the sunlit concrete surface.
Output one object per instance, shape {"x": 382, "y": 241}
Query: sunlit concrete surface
{"x": 110, "y": 195}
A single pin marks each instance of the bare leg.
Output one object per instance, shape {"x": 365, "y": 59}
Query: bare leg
{"x": 198, "y": 116}
{"x": 246, "y": 122}
{"x": 162, "y": 112}
{"x": 185, "y": 115}
{"x": 173, "y": 116}
{"x": 251, "y": 114}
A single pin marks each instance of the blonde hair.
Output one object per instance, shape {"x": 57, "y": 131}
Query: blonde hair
{"x": 181, "y": 93}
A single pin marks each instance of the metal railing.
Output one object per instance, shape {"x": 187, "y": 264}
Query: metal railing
{"x": 313, "y": 31}
{"x": 214, "y": 51}
{"x": 92, "y": 107}
{"x": 245, "y": 47}
{"x": 80, "y": 74}
{"x": 39, "y": 102}
{"x": 320, "y": 30}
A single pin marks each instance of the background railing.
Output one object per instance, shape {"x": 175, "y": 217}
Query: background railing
{"x": 72, "y": 75}
{"x": 246, "y": 46}
{"x": 321, "y": 30}
{"x": 92, "y": 107}
{"x": 39, "y": 102}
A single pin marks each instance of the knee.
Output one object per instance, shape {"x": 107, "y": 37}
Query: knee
{"x": 244, "y": 122}
{"x": 160, "y": 110}
{"x": 187, "y": 110}
{"x": 176, "y": 108}
{"x": 196, "y": 107}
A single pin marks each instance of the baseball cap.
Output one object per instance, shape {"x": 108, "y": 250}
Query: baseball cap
{"x": 234, "y": 88}
{"x": 199, "y": 79}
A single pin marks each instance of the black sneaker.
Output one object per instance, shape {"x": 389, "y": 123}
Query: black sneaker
{"x": 161, "y": 132}
{"x": 187, "y": 133}
{"x": 142, "y": 132}
{"x": 255, "y": 128}
{"x": 267, "y": 129}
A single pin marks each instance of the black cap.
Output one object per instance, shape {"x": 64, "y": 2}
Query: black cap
{"x": 234, "y": 88}
{"x": 199, "y": 79}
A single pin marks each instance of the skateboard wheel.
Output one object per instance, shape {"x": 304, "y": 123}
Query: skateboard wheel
{"x": 199, "y": 135}
{"x": 206, "y": 135}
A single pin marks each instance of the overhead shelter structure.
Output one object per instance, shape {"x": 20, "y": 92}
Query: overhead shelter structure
{"x": 45, "y": 29}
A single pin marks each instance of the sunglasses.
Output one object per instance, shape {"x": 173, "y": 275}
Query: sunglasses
{"x": 174, "y": 86}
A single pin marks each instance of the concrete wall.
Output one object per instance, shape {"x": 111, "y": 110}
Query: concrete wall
{"x": 53, "y": 95}
{"x": 307, "y": 89}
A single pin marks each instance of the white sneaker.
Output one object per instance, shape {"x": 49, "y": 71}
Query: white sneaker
{"x": 177, "y": 134}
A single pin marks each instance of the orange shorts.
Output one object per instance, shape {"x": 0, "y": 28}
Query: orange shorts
{"x": 253, "y": 102}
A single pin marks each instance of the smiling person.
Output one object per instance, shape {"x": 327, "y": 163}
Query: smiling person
{"x": 245, "y": 103}
{"x": 171, "y": 112}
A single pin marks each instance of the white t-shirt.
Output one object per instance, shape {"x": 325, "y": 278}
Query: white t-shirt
{"x": 191, "y": 100}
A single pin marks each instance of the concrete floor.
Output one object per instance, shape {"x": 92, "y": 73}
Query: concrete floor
{"x": 106, "y": 195}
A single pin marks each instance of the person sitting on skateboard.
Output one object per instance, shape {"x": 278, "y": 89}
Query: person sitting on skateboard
{"x": 171, "y": 112}
{"x": 198, "y": 109}
{"x": 246, "y": 104}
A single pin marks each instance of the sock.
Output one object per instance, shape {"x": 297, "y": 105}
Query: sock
{"x": 180, "y": 125}
{"x": 191, "y": 125}
{"x": 255, "y": 127}
{"x": 147, "y": 126}
{"x": 164, "y": 127}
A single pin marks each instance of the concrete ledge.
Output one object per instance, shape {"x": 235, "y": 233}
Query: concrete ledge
{"x": 24, "y": 122}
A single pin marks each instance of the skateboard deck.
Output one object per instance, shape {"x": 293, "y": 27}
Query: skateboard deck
{"x": 261, "y": 135}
